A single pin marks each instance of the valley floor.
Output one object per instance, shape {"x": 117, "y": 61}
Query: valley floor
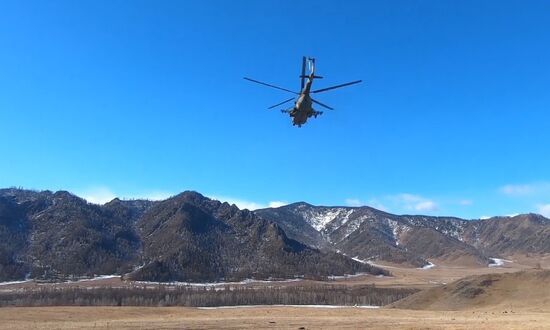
{"x": 276, "y": 317}
{"x": 402, "y": 277}
{"x": 263, "y": 317}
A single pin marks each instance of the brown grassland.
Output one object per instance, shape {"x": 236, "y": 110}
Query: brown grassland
{"x": 509, "y": 306}
{"x": 263, "y": 317}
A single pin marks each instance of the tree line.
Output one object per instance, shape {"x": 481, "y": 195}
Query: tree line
{"x": 165, "y": 295}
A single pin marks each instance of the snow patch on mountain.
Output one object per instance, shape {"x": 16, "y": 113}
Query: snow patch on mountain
{"x": 319, "y": 218}
{"x": 497, "y": 262}
{"x": 398, "y": 229}
{"x": 455, "y": 232}
{"x": 353, "y": 226}
{"x": 428, "y": 266}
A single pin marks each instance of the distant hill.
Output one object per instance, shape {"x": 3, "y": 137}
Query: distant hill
{"x": 508, "y": 291}
{"x": 370, "y": 234}
{"x": 45, "y": 234}
{"x": 192, "y": 238}
{"x": 187, "y": 238}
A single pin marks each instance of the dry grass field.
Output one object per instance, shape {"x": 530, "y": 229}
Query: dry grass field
{"x": 527, "y": 309}
{"x": 264, "y": 318}
{"x": 527, "y": 290}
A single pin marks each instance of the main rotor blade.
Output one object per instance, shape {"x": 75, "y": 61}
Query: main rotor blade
{"x": 269, "y": 85}
{"x": 321, "y": 104}
{"x": 337, "y": 86}
{"x": 278, "y": 104}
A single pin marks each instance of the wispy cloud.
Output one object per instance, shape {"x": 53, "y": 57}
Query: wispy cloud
{"x": 426, "y": 206}
{"x": 378, "y": 205}
{"x": 241, "y": 203}
{"x": 97, "y": 195}
{"x": 354, "y": 202}
{"x": 544, "y": 209}
{"x": 533, "y": 194}
{"x": 397, "y": 203}
{"x": 103, "y": 194}
{"x": 247, "y": 204}
{"x": 411, "y": 202}
{"x": 155, "y": 195}
{"x": 517, "y": 189}
{"x": 465, "y": 202}
{"x": 525, "y": 189}
{"x": 277, "y": 203}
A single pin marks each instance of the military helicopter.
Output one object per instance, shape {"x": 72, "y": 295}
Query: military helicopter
{"x": 303, "y": 103}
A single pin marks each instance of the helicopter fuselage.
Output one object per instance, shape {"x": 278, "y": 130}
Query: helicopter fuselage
{"x": 303, "y": 108}
{"x": 303, "y": 105}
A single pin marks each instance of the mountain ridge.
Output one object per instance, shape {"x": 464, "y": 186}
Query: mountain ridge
{"x": 188, "y": 237}
{"x": 370, "y": 234}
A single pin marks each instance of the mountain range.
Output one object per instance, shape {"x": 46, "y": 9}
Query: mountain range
{"x": 188, "y": 237}
{"x": 365, "y": 233}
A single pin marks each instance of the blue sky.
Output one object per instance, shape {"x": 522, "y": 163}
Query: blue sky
{"x": 144, "y": 99}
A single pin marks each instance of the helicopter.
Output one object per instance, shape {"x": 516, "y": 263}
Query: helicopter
{"x": 303, "y": 103}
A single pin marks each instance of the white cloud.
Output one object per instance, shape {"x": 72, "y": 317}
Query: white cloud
{"x": 97, "y": 195}
{"x": 277, "y": 203}
{"x": 374, "y": 203}
{"x": 377, "y": 205}
{"x": 246, "y": 204}
{"x": 152, "y": 195}
{"x": 241, "y": 203}
{"x": 426, "y": 206}
{"x": 526, "y": 189}
{"x": 517, "y": 189}
{"x": 102, "y": 195}
{"x": 397, "y": 203}
{"x": 544, "y": 209}
{"x": 465, "y": 202}
{"x": 354, "y": 202}
{"x": 412, "y": 202}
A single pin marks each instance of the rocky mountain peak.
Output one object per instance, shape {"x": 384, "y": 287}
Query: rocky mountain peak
{"x": 187, "y": 237}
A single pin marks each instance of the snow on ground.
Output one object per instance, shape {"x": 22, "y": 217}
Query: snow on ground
{"x": 318, "y": 219}
{"x": 397, "y": 229}
{"x": 95, "y": 278}
{"x": 455, "y": 233}
{"x": 340, "y": 277}
{"x": 305, "y": 306}
{"x": 378, "y": 265}
{"x": 98, "y": 277}
{"x": 428, "y": 266}
{"x": 497, "y": 262}
{"x": 14, "y": 282}
{"x": 356, "y": 258}
{"x": 214, "y": 284}
{"x": 345, "y": 217}
{"x": 354, "y": 226}
{"x": 205, "y": 284}
{"x": 394, "y": 227}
